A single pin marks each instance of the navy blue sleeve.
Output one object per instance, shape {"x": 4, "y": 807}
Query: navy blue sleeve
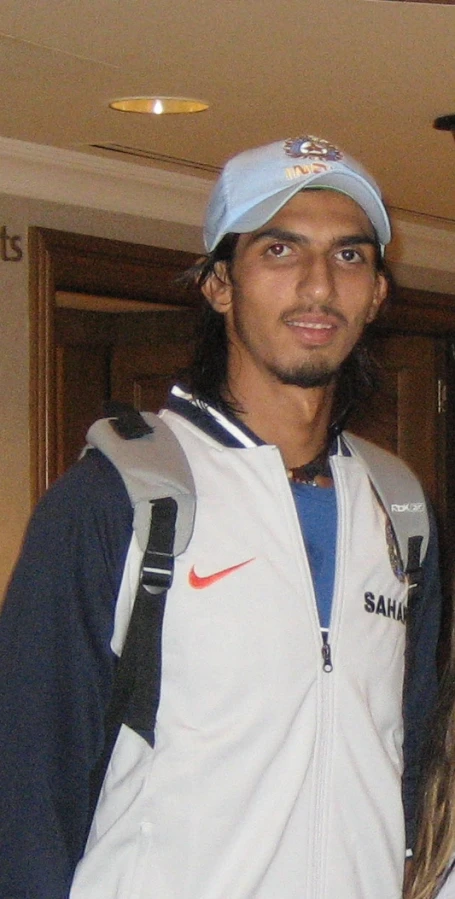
{"x": 56, "y": 675}
{"x": 421, "y": 680}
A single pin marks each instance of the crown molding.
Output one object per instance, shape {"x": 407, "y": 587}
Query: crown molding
{"x": 431, "y": 236}
{"x": 70, "y": 177}
{"x": 423, "y": 247}
{"x": 422, "y": 252}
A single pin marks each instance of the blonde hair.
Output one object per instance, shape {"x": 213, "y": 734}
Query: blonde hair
{"x": 435, "y": 848}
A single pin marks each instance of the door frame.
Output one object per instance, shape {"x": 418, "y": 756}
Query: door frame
{"x": 66, "y": 261}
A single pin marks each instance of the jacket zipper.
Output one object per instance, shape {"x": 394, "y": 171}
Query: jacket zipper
{"x": 317, "y": 871}
{"x": 326, "y": 651}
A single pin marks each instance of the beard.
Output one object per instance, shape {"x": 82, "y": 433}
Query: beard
{"x": 306, "y": 376}
{"x": 316, "y": 372}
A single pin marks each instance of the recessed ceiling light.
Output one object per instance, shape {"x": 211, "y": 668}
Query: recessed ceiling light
{"x": 158, "y": 105}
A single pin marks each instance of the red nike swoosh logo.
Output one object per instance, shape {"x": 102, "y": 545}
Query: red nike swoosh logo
{"x": 200, "y": 582}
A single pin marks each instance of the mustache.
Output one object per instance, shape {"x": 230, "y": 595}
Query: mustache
{"x": 313, "y": 309}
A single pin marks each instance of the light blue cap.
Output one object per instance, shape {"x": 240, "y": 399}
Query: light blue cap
{"x": 254, "y": 185}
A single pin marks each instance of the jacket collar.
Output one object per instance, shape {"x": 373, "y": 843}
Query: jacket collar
{"x": 225, "y": 428}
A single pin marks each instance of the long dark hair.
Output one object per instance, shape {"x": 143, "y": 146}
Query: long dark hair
{"x": 207, "y": 374}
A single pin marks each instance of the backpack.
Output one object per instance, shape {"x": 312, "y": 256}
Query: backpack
{"x": 160, "y": 485}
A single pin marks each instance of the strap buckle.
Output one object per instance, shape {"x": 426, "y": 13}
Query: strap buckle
{"x": 157, "y": 569}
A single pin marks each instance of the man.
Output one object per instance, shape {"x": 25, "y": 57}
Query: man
{"x": 276, "y": 770}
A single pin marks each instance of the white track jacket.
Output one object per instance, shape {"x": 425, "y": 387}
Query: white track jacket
{"x": 271, "y": 778}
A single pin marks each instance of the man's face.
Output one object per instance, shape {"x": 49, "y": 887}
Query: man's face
{"x": 300, "y": 292}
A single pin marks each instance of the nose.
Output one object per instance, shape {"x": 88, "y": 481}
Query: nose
{"x": 316, "y": 279}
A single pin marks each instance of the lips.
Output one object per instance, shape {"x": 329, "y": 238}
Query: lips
{"x": 315, "y": 330}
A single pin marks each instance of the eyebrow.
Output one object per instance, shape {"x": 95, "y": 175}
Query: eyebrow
{"x": 282, "y": 235}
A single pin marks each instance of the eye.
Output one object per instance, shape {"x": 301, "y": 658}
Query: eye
{"x": 279, "y": 250}
{"x": 349, "y": 254}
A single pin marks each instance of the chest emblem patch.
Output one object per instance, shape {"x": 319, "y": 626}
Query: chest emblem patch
{"x": 198, "y": 582}
{"x": 394, "y": 552}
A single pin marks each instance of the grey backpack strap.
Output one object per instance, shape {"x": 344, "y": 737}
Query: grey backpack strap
{"x": 403, "y": 499}
{"x": 152, "y": 465}
{"x": 160, "y": 484}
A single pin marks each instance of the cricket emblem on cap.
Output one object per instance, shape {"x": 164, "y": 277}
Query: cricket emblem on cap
{"x": 311, "y": 148}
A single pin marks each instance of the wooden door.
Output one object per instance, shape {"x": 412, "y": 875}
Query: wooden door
{"x": 407, "y": 414}
{"x": 130, "y": 356}
{"x": 70, "y": 353}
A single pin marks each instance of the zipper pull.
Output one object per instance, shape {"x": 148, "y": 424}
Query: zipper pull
{"x": 326, "y": 653}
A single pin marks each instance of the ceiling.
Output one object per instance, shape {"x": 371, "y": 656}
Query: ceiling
{"x": 370, "y": 75}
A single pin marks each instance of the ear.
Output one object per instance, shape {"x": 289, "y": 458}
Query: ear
{"x": 380, "y": 293}
{"x": 217, "y": 289}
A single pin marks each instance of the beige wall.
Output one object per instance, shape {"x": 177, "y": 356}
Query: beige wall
{"x": 18, "y": 215}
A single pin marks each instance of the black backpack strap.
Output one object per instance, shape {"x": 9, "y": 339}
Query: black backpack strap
{"x": 141, "y": 654}
{"x": 414, "y": 570}
{"x": 137, "y": 681}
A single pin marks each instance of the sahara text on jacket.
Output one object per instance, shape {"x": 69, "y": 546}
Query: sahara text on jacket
{"x": 389, "y": 608}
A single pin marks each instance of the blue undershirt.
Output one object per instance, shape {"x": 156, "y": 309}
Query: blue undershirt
{"x": 317, "y": 511}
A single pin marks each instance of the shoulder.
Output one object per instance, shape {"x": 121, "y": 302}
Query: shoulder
{"x": 400, "y": 492}
{"x": 92, "y": 489}
{"x": 373, "y": 454}
{"x": 397, "y": 485}
{"x": 91, "y": 477}
{"x": 80, "y": 528}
